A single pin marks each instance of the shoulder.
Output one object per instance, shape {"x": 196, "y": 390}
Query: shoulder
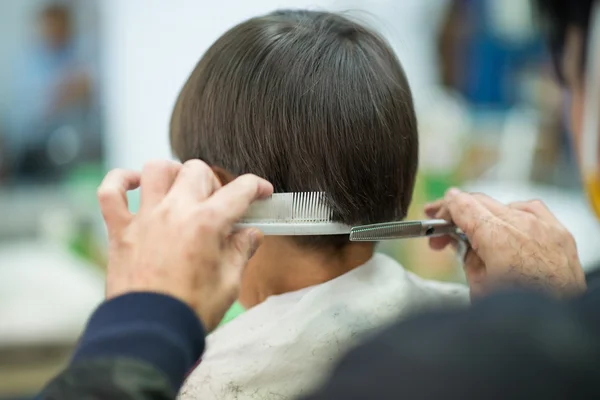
{"x": 287, "y": 344}
{"x": 445, "y": 289}
{"x": 448, "y": 292}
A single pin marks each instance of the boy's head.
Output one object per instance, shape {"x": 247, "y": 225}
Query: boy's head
{"x": 311, "y": 101}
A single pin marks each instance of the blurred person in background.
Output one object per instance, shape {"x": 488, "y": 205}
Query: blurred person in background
{"x": 53, "y": 118}
{"x": 493, "y": 55}
{"x": 485, "y": 46}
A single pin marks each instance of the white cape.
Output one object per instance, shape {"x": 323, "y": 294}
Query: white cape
{"x": 287, "y": 345}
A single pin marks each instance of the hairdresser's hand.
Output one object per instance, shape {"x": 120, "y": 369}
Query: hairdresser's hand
{"x": 180, "y": 242}
{"x": 520, "y": 244}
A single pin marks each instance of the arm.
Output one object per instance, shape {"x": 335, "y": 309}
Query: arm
{"x": 136, "y": 346}
{"x": 176, "y": 262}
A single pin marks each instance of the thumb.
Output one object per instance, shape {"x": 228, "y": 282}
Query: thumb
{"x": 241, "y": 246}
{"x": 112, "y": 197}
{"x": 474, "y": 219}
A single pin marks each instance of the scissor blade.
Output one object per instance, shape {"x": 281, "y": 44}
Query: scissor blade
{"x": 387, "y": 230}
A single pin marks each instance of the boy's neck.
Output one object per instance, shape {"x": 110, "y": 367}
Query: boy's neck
{"x": 281, "y": 266}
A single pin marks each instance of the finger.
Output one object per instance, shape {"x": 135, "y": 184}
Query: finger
{"x": 232, "y": 200}
{"x": 432, "y": 209}
{"x": 535, "y": 207}
{"x": 157, "y": 179}
{"x": 440, "y": 243}
{"x": 430, "y": 212}
{"x": 195, "y": 181}
{"x": 112, "y": 197}
{"x": 238, "y": 249}
{"x": 475, "y": 274}
{"x": 476, "y": 205}
{"x": 241, "y": 246}
{"x": 473, "y": 218}
{"x": 441, "y": 212}
{"x": 474, "y": 267}
{"x": 494, "y": 206}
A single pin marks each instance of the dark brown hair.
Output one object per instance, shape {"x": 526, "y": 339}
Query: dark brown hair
{"x": 57, "y": 11}
{"x": 311, "y": 101}
{"x": 557, "y": 17}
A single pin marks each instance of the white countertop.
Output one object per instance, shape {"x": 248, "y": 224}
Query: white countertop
{"x": 46, "y": 294}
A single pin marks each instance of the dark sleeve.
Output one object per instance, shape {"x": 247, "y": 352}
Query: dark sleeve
{"x": 137, "y": 346}
{"x": 510, "y": 346}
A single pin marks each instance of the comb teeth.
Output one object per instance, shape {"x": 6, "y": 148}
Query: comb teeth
{"x": 299, "y": 207}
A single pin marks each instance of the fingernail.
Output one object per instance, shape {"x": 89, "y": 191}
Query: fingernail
{"x": 452, "y": 192}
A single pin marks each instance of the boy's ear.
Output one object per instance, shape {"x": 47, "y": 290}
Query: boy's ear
{"x": 222, "y": 175}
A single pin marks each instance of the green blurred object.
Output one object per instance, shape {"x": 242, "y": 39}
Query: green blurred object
{"x": 435, "y": 185}
{"x": 234, "y": 311}
{"x": 84, "y": 244}
{"x": 82, "y": 184}
{"x": 133, "y": 199}
{"x": 84, "y": 180}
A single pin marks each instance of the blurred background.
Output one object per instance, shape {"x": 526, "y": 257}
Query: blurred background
{"x": 89, "y": 85}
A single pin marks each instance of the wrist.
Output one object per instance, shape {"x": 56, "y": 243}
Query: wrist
{"x": 546, "y": 285}
{"x": 154, "y": 328}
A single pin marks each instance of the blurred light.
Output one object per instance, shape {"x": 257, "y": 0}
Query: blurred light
{"x": 512, "y": 20}
{"x": 64, "y": 145}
